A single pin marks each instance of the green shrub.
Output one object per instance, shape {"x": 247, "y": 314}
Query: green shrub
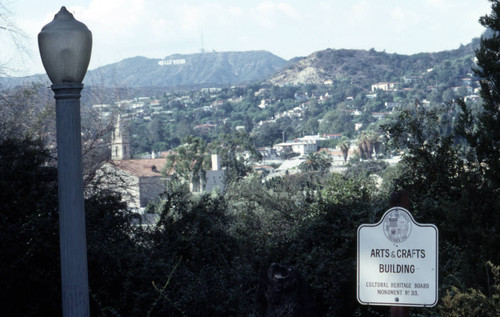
{"x": 473, "y": 302}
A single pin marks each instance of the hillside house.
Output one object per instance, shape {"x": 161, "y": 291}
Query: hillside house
{"x": 264, "y": 103}
{"x": 217, "y": 103}
{"x": 205, "y": 128}
{"x": 354, "y": 112}
{"x": 392, "y": 105}
{"x": 386, "y": 86}
{"x": 301, "y": 148}
{"x": 332, "y": 136}
{"x": 380, "y": 115}
{"x": 315, "y": 138}
{"x": 268, "y": 153}
{"x": 467, "y": 81}
{"x": 468, "y": 89}
{"x": 412, "y": 79}
{"x": 472, "y": 98}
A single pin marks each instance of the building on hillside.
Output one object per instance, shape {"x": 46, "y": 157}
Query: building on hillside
{"x": 386, "y": 86}
{"x": 332, "y": 136}
{"x": 411, "y": 79}
{"x": 301, "y": 148}
{"x": 140, "y": 181}
{"x": 205, "y": 128}
{"x": 315, "y": 138}
{"x": 472, "y": 98}
{"x": 467, "y": 81}
{"x": 353, "y": 112}
{"x": 268, "y": 153}
{"x": 392, "y": 105}
{"x": 264, "y": 103}
{"x": 380, "y": 115}
{"x": 468, "y": 89}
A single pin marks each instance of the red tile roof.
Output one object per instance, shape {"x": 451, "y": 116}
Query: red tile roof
{"x": 142, "y": 167}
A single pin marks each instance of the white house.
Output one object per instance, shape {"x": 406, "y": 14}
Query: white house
{"x": 386, "y": 86}
{"x": 301, "y": 148}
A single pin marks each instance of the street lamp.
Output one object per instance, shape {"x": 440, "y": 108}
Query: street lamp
{"x": 65, "y": 47}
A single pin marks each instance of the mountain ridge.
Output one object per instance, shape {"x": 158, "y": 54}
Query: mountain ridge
{"x": 236, "y": 68}
{"x": 219, "y": 68}
{"x": 211, "y": 68}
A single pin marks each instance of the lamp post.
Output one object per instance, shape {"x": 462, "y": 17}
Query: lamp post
{"x": 65, "y": 47}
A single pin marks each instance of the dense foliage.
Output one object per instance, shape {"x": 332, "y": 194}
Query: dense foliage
{"x": 207, "y": 253}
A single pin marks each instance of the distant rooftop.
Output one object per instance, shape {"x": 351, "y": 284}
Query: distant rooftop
{"x": 142, "y": 167}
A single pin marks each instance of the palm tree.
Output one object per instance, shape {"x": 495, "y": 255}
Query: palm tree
{"x": 368, "y": 142}
{"x": 377, "y": 143}
{"x": 344, "y": 146}
{"x": 362, "y": 146}
{"x": 371, "y": 139}
{"x": 316, "y": 162}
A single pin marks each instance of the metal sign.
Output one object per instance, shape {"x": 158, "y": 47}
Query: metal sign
{"x": 397, "y": 261}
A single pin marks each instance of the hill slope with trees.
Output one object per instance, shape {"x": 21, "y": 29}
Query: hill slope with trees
{"x": 365, "y": 66}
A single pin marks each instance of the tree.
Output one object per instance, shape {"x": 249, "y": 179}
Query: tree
{"x": 473, "y": 302}
{"x": 345, "y": 144}
{"x": 193, "y": 242}
{"x": 365, "y": 145}
{"x": 482, "y": 132}
{"x": 13, "y": 35}
{"x": 29, "y": 251}
{"x": 316, "y": 162}
{"x": 371, "y": 142}
{"x": 337, "y": 121}
{"x": 269, "y": 134}
{"x": 448, "y": 190}
{"x": 232, "y": 148}
{"x": 190, "y": 161}
{"x": 28, "y": 230}
{"x": 25, "y": 111}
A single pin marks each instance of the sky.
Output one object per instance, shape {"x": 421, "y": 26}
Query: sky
{"x": 291, "y": 28}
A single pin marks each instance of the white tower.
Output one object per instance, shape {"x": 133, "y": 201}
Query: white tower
{"x": 120, "y": 144}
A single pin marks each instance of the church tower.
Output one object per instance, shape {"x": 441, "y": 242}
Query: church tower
{"x": 120, "y": 143}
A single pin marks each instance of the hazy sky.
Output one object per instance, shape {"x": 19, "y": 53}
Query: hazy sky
{"x": 158, "y": 28}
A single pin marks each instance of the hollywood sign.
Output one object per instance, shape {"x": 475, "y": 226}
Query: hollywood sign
{"x": 168, "y": 62}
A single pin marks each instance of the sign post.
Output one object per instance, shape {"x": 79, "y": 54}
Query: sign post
{"x": 397, "y": 261}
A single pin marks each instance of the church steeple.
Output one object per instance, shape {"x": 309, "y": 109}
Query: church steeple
{"x": 120, "y": 143}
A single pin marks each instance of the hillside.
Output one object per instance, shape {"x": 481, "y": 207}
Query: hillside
{"x": 362, "y": 66}
{"x": 217, "y": 68}
{"x": 214, "y": 68}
